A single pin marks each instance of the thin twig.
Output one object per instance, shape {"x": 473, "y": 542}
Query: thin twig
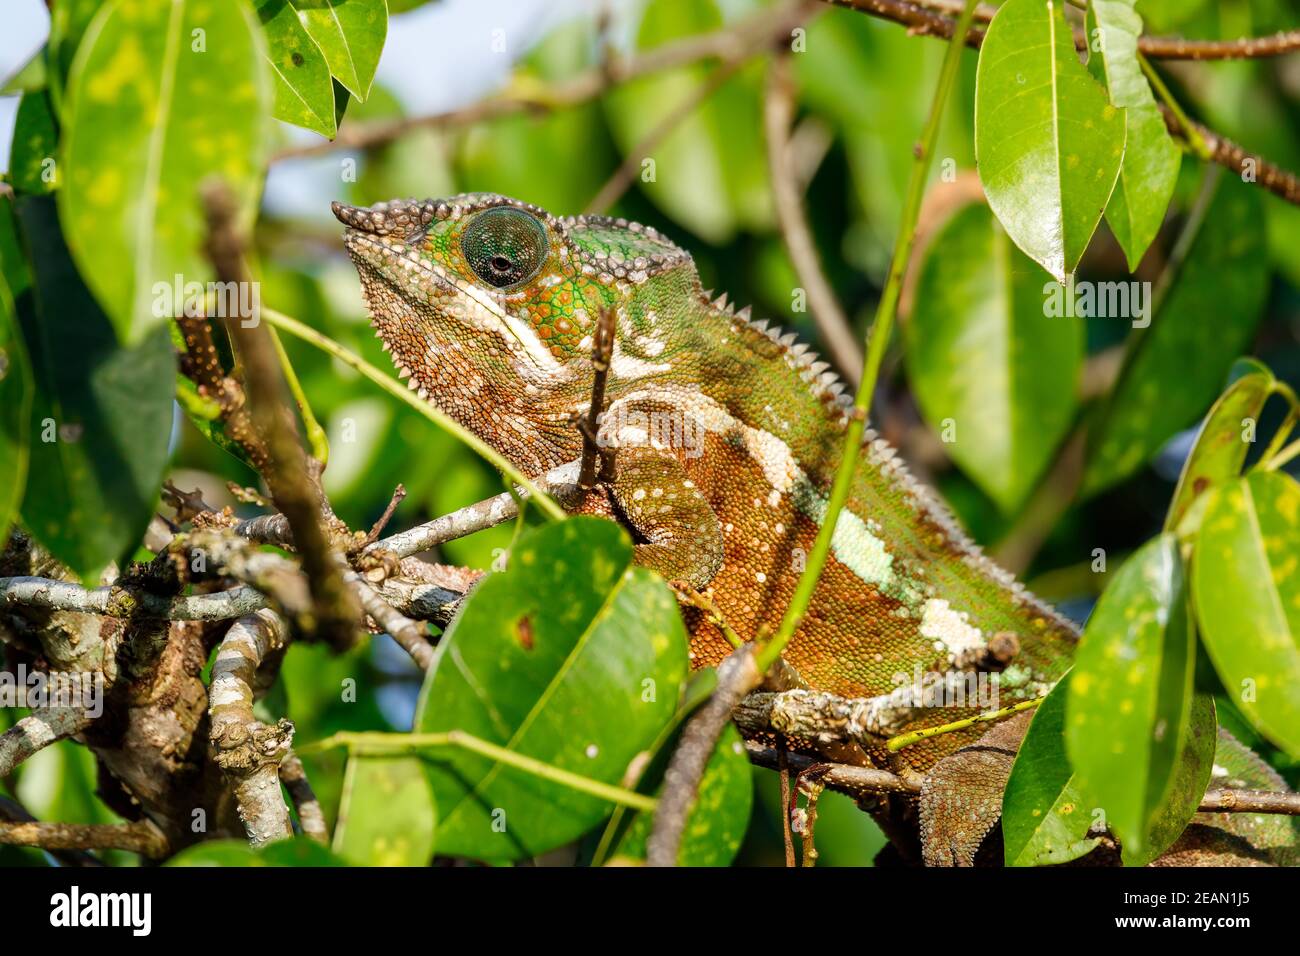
{"x": 286, "y": 470}
{"x": 783, "y": 768}
{"x": 921, "y": 18}
{"x": 878, "y": 340}
{"x": 310, "y": 816}
{"x": 597, "y": 463}
{"x": 831, "y": 321}
{"x": 738, "y": 674}
{"x": 750, "y": 34}
{"x": 11, "y": 811}
{"x": 399, "y": 495}
{"x": 622, "y": 178}
{"x": 410, "y": 636}
{"x": 926, "y": 22}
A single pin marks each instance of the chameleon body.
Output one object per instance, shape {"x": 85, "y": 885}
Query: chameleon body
{"x": 727, "y": 435}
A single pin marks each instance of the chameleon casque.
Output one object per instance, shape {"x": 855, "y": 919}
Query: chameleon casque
{"x": 727, "y": 435}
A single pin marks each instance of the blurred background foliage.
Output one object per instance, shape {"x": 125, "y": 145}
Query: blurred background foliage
{"x": 863, "y": 87}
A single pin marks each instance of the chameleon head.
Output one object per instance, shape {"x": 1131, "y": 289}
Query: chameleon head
{"x": 485, "y": 300}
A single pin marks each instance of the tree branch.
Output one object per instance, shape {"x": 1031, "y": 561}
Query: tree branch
{"x": 248, "y": 751}
{"x": 310, "y": 816}
{"x": 139, "y": 837}
{"x": 37, "y": 731}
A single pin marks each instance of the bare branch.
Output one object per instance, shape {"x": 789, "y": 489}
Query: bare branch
{"x": 37, "y": 731}
{"x": 922, "y": 18}
{"x": 11, "y": 811}
{"x": 293, "y": 487}
{"x": 248, "y": 751}
{"x": 843, "y": 346}
{"x": 412, "y": 637}
{"x": 727, "y": 43}
{"x": 140, "y": 837}
{"x": 310, "y": 816}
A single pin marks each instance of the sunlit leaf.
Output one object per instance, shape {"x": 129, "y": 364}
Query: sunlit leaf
{"x": 141, "y": 134}
{"x": 351, "y": 35}
{"x": 571, "y": 656}
{"x": 1044, "y": 817}
{"x": 296, "y": 852}
{"x": 1151, "y": 157}
{"x": 304, "y": 94}
{"x": 992, "y": 371}
{"x": 720, "y": 814}
{"x": 386, "y": 815}
{"x": 1048, "y": 143}
{"x": 1247, "y": 591}
{"x": 1130, "y": 695}
{"x": 1221, "y": 445}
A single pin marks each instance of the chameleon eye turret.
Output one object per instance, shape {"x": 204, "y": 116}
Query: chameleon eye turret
{"x": 504, "y": 246}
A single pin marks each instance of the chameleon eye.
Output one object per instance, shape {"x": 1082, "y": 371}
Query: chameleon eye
{"x": 504, "y": 246}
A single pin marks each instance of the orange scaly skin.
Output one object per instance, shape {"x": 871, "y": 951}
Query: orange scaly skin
{"x": 727, "y": 434}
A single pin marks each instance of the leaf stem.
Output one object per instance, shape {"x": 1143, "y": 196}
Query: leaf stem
{"x": 877, "y": 340}
{"x": 375, "y": 742}
{"x": 389, "y": 384}
{"x": 316, "y": 438}
{"x": 895, "y": 744}
{"x": 1199, "y": 147}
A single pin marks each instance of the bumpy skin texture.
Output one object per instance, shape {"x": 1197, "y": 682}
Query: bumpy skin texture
{"x": 728, "y": 435}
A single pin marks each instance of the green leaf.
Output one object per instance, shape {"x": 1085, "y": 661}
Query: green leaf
{"x": 709, "y": 173}
{"x": 1247, "y": 593}
{"x": 69, "y": 20}
{"x": 1189, "y": 780}
{"x": 32, "y": 168}
{"x": 350, "y": 34}
{"x": 102, "y": 413}
{"x": 572, "y": 656}
{"x": 140, "y": 137}
{"x": 1130, "y": 693}
{"x": 30, "y": 78}
{"x": 1175, "y": 368}
{"x": 1151, "y": 157}
{"x": 1048, "y": 143}
{"x": 1044, "y": 817}
{"x": 304, "y": 93}
{"x": 718, "y": 820}
{"x": 296, "y": 852}
{"x": 984, "y": 356}
{"x": 15, "y": 409}
{"x": 1221, "y": 446}
{"x": 386, "y": 815}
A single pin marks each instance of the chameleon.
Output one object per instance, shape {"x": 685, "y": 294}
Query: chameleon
{"x": 726, "y": 434}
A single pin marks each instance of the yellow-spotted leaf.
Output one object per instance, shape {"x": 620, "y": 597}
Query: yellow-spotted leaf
{"x": 1221, "y": 445}
{"x": 1246, "y": 581}
{"x": 351, "y": 35}
{"x": 1130, "y": 695}
{"x": 386, "y": 815}
{"x": 1151, "y": 157}
{"x": 163, "y": 95}
{"x": 304, "y": 93}
{"x": 1047, "y": 142}
{"x": 1044, "y": 817}
{"x": 572, "y": 656}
